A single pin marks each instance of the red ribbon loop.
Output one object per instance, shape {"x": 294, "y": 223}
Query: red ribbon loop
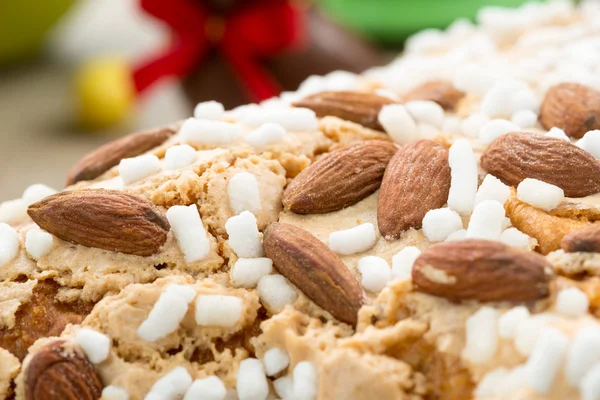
{"x": 244, "y": 38}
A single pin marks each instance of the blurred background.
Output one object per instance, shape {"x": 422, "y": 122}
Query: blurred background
{"x": 76, "y": 74}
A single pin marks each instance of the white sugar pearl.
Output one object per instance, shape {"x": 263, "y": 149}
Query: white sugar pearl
{"x": 492, "y": 189}
{"x": 284, "y": 388}
{"x": 244, "y": 194}
{"x": 112, "y": 392}
{"x": 473, "y": 124}
{"x": 440, "y": 223}
{"x": 354, "y": 240}
{"x": 187, "y": 292}
{"x": 591, "y": 143}
{"x": 376, "y": 273}
{"x": 498, "y": 100}
{"x": 428, "y": 112}
{"x": 524, "y": 119}
{"x": 460, "y": 234}
{"x": 496, "y": 128}
{"x": 218, "y": 310}
{"x": 341, "y": 80}
{"x": 558, "y": 133}
{"x": 291, "y": 119}
{"x": 486, "y": 221}
{"x": 38, "y": 243}
{"x": 95, "y": 345}
{"x": 510, "y": 321}
{"x": 515, "y": 238}
{"x": 172, "y": 386}
{"x": 402, "y": 262}
{"x": 276, "y": 292}
{"x": 473, "y": 79}
{"x": 427, "y": 131}
{"x": 546, "y": 359}
{"x": 266, "y": 134}
{"x": 179, "y": 156}
{"x": 246, "y": 272}
{"x": 572, "y": 302}
{"x": 244, "y": 237}
{"x": 398, "y": 123}
{"x": 240, "y": 112}
{"x": 190, "y": 233}
{"x": 200, "y": 131}
{"x": 590, "y": 384}
{"x": 275, "y": 361}
{"x": 9, "y": 243}
{"x": 209, "y": 388}
{"x": 305, "y": 381}
{"x": 515, "y": 380}
{"x": 13, "y": 211}
{"x": 463, "y": 185}
{"x": 452, "y": 125}
{"x": 165, "y": 316}
{"x": 489, "y": 384}
{"x": 37, "y": 192}
{"x": 529, "y": 331}
{"x": 540, "y": 194}
{"x": 525, "y": 100}
{"x": 209, "y": 110}
{"x": 136, "y": 168}
{"x": 584, "y": 352}
{"x": 251, "y": 380}
{"x": 481, "y": 336}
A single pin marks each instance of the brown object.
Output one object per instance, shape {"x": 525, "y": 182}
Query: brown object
{"x": 547, "y": 229}
{"x": 105, "y": 219}
{"x": 42, "y": 316}
{"x": 105, "y": 157}
{"x": 316, "y": 270}
{"x": 585, "y": 240}
{"x": 359, "y": 107}
{"x": 57, "y": 373}
{"x": 339, "y": 179}
{"x": 416, "y": 180}
{"x": 572, "y": 107}
{"x": 481, "y": 270}
{"x": 442, "y": 92}
{"x": 516, "y": 156}
{"x": 328, "y": 48}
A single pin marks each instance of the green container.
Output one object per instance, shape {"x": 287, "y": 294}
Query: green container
{"x": 392, "y": 21}
{"x": 24, "y": 25}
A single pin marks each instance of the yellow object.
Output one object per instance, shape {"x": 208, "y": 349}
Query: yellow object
{"x": 105, "y": 93}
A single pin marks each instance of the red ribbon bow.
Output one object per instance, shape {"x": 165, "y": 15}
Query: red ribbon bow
{"x": 244, "y": 37}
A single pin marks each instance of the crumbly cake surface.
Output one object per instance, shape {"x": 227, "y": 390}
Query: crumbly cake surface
{"x": 426, "y": 230}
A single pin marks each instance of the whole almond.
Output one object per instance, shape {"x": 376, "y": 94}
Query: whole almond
{"x": 105, "y": 219}
{"x": 57, "y": 373}
{"x": 339, "y": 179}
{"x": 316, "y": 270}
{"x": 516, "y": 156}
{"x": 441, "y": 92}
{"x": 416, "y": 180}
{"x": 481, "y": 270}
{"x": 572, "y": 107}
{"x": 103, "y": 158}
{"x": 586, "y": 240}
{"x": 360, "y": 107}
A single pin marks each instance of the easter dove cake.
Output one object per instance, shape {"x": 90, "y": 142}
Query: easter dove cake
{"x": 426, "y": 230}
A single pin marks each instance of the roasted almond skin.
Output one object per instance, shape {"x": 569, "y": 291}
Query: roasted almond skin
{"x": 586, "y": 240}
{"x": 359, "y": 107}
{"x": 316, "y": 270}
{"x": 105, "y": 157}
{"x": 516, "y": 156}
{"x": 481, "y": 270}
{"x": 572, "y": 107}
{"x": 56, "y": 373}
{"x": 416, "y": 180}
{"x": 441, "y": 92}
{"x": 339, "y": 179}
{"x": 105, "y": 219}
